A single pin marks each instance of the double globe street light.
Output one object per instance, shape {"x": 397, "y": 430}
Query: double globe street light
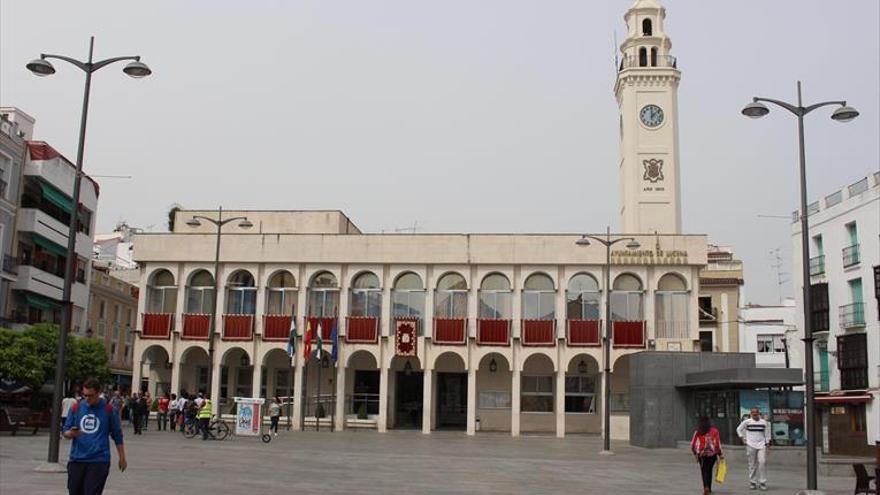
{"x": 607, "y": 337}
{"x": 844, "y": 113}
{"x": 42, "y": 67}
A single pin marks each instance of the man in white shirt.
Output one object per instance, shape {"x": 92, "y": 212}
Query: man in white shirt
{"x": 66, "y": 404}
{"x": 755, "y": 434}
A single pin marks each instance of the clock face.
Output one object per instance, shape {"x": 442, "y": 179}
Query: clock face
{"x": 651, "y": 116}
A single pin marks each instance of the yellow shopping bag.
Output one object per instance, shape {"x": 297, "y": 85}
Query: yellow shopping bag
{"x": 721, "y": 473}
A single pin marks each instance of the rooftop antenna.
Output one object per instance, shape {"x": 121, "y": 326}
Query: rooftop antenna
{"x": 777, "y": 263}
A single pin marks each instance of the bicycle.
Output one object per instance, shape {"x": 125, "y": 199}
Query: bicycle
{"x": 218, "y": 429}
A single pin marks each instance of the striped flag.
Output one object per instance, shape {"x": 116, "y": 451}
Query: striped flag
{"x": 320, "y": 338}
{"x": 291, "y": 338}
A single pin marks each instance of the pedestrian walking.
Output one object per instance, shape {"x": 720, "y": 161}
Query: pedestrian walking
{"x": 162, "y": 413}
{"x": 274, "y": 415}
{"x": 148, "y": 403}
{"x": 90, "y": 424}
{"x": 205, "y": 416}
{"x": 706, "y": 447}
{"x": 172, "y": 412}
{"x": 116, "y": 402}
{"x": 137, "y": 421}
{"x": 755, "y": 434}
{"x": 66, "y": 404}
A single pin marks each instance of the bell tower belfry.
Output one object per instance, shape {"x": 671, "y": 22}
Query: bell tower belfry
{"x": 647, "y": 96}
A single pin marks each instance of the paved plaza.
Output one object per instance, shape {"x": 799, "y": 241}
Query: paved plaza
{"x": 397, "y": 462}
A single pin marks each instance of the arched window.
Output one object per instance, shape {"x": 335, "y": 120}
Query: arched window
{"x": 647, "y": 28}
{"x": 539, "y": 298}
{"x": 241, "y": 294}
{"x": 626, "y": 299}
{"x": 653, "y": 57}
{"x": 162, "y": 293}
{"x": 323, "y": 296}
{"x": 281, "y": 294}
{"x": 671, "y": 307}
{"x": 583, "y": 297}
{"x": 643, "y": 57}
{"x": 495, "y": 297}
{"x": 200, "y": 293}
{"x": 366, "y": 296}
{"x": 408, "y": 296}
{"x": 451, "y": 297}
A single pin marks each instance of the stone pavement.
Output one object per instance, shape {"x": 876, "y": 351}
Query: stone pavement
{"x": 397, "y": 462}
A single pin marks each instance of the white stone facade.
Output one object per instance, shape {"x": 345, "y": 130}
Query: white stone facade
{"x": 491, "y": 375}
{"x": 770, "y": 332}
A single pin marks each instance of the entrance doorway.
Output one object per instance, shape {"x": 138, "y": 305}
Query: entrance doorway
{"x": 452, "y": 400}
{"x": 365, "y": 396}
{"x": 408, "y": 393}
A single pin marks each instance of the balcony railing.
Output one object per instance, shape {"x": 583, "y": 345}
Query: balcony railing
{"x": 822, "y": 381}
{"x": 708, "y": 315}
{"x": 584, "y": 333}
{"x": 10, "y": 264}
{"x": 817, "y": 265}
{"x": 629, "y": 333}
{"x": 238, "y": 327}
{"x": 492, "y": 331}
{"x": 276, "y": 327}
{"x": 854, "y": 378}
{"x": 157, "y": 325}
{"x": 362, "y": 330}
{"x": 326, "y": 325}
{"x": 196, "y": 326}
{"x": 851, "y": 255}
{"x": 852, "y": 315}
{"x": 450, "y": 331}
{"x": 539, "y": 332}
{"x": 629, "y": 62}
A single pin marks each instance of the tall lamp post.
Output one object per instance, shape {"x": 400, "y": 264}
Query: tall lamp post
{"x": 42, "y": 67}
{"x": 606, "y": 335}
{"x": 845, "y": 113}
{"x": 219, "y": 222}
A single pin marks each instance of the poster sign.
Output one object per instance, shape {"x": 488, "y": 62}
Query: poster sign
{"x": 754, "y": 398}
{"x": 787, "y": 409}
{"x": 248, "y": 416}
{"x": 406, "y": 337}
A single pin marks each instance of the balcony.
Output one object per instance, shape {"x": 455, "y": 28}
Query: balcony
{"x": 326, "y": 325}
{"x": 851, "y": 255}
{"x": 708, "y": 315}
{"x": 238, "y": 327}
{"x": 584, "y": 333}
{"x": 822, "y": 381}
{"x": 41, "y": 223}
{"x": 817, "y": 265}
{"x": 633, "y": 62}
{"x": 10, "y": 265}
{"x": 450, "y": 331}
{"x": 629, "y": 334}
{"x": 852, "y": 315}
{"x": 276, "y": 327}
{"x": 539, "y": 332}
{"x": 157, "y": 325}
{"x": 492, "y": 331}
{"x": 855, "y": 378}
{"x": 196, "y": 326}
{"x": 362, "y": 330}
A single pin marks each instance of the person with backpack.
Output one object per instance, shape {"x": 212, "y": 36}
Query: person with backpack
{"x": 91, "y": 423}
{"x": 706, "y": 447}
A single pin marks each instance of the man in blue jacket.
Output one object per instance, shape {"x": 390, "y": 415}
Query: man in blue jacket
{"x": 89, "y": 424}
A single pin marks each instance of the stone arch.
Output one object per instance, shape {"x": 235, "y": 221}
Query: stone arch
{"x": 453, "y": 276}
{"x": 539, "y": 274}
{"x": 230, "y": 351}
{"x": 495, "y": 281}
{"x": 672, "y": 281}
{"x": 366, "y": 279}
{"x": 192, "y": 352}
{"x": 241, "y": 277}
{"x": 362, "y": 359}
{"x": 501, "y": 361}
{"x": 624, "y": 281}
{"x": 400, "y": 281}
{"x": 274, "y": 354}
{"x": 155, "y": 354}
{"x": 279, "y": 279}
{"x": 451, "y": 360}
{"x": 160, "y": 277}
{"x": 539, "y": 361}
{"x": 201, "y": 276}
{"x": 647, "y": 27}
{"x": 592, "y": 364}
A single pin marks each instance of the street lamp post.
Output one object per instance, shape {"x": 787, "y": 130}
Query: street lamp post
{"x": 219, "y": 222}
{"x": 606, "y": 335}
{"x": 42, "y": 67}
{"x": 757, "y": 109}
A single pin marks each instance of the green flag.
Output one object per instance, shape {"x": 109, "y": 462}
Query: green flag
{"x": 320, "y": 352}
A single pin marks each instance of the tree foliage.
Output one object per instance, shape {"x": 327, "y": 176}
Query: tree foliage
{"x": 29, "y": 356}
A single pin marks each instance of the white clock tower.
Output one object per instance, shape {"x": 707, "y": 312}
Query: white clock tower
{"x": 647, "y": 95}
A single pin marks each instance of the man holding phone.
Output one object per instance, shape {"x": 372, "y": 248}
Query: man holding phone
{"x": 90, "y": 424}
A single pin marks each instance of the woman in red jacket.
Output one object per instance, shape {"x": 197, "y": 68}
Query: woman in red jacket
{"x": 706, "y": 446}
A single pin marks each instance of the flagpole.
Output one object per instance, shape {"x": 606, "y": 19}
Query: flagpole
{"x": 318, "y": 401}
{"x": 304, "y": 396}
{"x": 289, "y": 398}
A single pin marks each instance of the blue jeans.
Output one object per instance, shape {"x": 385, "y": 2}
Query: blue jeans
{"x": 87, "y": 478}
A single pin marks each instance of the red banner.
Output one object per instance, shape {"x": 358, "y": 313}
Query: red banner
{"x": 406, "y": 336}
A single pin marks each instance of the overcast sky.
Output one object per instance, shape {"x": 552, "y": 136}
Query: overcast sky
{"x": 462, "y": 116}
